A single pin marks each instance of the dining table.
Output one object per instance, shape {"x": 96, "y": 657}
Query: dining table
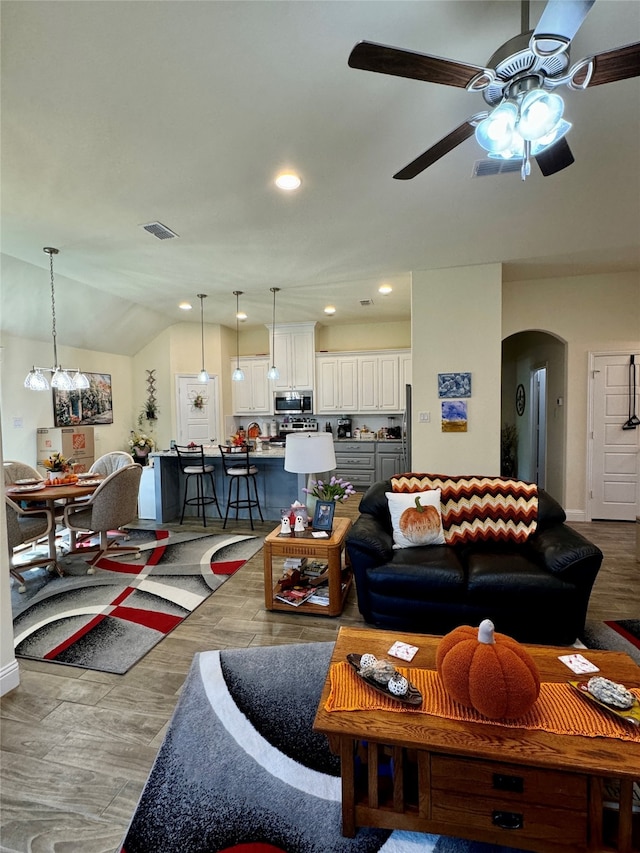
{"x": 51, "y": 494}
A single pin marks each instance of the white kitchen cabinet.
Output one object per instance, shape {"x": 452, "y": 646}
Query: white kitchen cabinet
{"x": 294, "y": 356}
{"x": 379, "y": 382}
{"x": 405, "y": 371}
{"x": 336, "y": 384}
{"x": 252, "y": 396}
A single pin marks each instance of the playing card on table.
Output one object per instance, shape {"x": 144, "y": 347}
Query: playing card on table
{"x": 403, "y": 650}
{"x": 578, "y": 663}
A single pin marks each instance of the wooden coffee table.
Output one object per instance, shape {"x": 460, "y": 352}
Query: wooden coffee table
{"x": 528, "y": 789}
{"x": 327, "y": 550}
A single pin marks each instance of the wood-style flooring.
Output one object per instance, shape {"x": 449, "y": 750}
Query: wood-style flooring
{"x": 77, "y": 745}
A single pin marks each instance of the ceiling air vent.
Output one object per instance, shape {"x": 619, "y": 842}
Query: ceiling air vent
{"x": 486, "y": 168}
{"x": 159, "y": 230}
{"x": 366, "y": 302}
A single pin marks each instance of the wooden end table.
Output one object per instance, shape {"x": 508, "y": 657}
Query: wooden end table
{"x": 528, "y": 789}
{"x": 327, "y": 550}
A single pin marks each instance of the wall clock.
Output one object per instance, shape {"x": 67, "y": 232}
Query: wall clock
{"x": 520, "y": 399}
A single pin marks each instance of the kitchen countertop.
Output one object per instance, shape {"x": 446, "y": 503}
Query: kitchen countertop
{"x": 274, "y": 452}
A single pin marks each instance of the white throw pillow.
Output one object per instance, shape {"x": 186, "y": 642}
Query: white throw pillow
{"x": 416, "y": 518}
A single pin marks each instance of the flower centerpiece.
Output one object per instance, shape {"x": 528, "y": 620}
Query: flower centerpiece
{"x": 336, "y": 489}
{"x": 58, "y": 466}
{"x": 140, "y": 444}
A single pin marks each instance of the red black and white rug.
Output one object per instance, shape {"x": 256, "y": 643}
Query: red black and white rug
{"x": 109, "y": 620}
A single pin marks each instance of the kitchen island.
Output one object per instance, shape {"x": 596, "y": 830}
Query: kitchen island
{"x": 277, "y": 488}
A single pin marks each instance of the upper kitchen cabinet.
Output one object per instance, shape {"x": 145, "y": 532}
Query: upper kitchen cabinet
{"x": 294, "y": 355}
{"x": 337, "y": 384}
{"x": 252, "y": 396}
{"x": 362, "y": 382}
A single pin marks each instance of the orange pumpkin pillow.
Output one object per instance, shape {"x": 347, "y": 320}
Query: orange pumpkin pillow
{"x": 416, "y": 518}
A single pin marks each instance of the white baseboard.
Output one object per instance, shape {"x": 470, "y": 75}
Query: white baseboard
{"x": 9, "y": 677}
{"x": 575, "y": 515}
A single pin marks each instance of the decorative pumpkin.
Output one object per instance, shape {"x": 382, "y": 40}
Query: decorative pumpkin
{"x": 487, "y": 671}
{"x": 419, "y": 523}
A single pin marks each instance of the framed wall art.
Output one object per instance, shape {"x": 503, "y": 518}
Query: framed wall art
{"x": 454, "y": 416}
{"x": 91, "y": 407}
{"x": 454, "y": 385}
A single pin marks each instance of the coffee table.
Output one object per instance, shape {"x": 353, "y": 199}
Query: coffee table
{"x": 328, "y": 550}
{"x": 528, "y": 789}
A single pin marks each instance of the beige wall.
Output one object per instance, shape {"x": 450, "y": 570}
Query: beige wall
{"x": 367, "y": 336}
{"x": 24, "y": 411}
{"x": 456, "y": 327}
{"x": 596, "y": 313}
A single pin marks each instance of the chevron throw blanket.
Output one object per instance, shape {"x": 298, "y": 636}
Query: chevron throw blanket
{"x": 479, "y": 509}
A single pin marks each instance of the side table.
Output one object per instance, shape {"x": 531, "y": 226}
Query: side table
{"x": 329, "y": 550}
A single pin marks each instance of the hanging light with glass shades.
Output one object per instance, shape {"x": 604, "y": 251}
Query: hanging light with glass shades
{"x": 203, "y": 376}
{"x": 60, "y": 379}
{"x": 273, "y": 373}
{"x": 238, "y": 373}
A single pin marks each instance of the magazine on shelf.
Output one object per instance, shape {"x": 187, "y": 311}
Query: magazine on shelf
{"x": 321, "y": 596}
{"x": 296, "y": 595}
{"x": 315, "y": 568}
{"x": 295, "y": 562}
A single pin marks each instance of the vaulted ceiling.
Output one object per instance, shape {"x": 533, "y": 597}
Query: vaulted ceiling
{"x": 117, "y": 114}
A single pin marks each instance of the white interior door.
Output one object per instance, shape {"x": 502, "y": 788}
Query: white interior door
{"x": 614, "y": 489}
{"x": 200, "y": 424}
{"x": 539, "y": 416}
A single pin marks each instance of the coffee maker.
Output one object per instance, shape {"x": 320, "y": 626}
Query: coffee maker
{"x": 344, "y": 428}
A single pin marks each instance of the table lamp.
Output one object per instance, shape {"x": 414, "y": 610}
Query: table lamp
{"x": 309, "y": 453}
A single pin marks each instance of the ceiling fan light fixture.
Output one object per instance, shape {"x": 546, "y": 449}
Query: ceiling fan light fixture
{"x": 561, "y": 129}
{"x": 495, "y": 132}
{"x": 540, "y": 112}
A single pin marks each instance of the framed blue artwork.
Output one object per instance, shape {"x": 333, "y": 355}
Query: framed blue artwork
{"x": 454, "y": 385}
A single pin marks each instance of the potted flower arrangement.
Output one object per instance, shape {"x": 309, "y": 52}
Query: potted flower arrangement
{"x": 140, "y": 444}
{"x": 57, "y": 465}
{"x": 336, "y": 490}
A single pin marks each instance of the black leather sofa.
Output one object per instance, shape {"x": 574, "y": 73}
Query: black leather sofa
{"x": 536, "y": 592}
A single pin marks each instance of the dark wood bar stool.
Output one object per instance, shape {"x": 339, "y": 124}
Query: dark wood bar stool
{"x": 237, "y": 467}
{"x": 192, "y": 464}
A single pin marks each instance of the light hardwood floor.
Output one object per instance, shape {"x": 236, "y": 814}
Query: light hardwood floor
{"x": 77, "y": 745}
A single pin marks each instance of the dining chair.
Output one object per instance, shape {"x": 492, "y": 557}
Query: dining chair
{"x": 110, "y": 462}
{"x": 14, "y": 471}
{"x": 238, "y": 467}
{"x": 24, "y": 527}
{"x": 113, "y": 505}
{"x": 192, "y": 465}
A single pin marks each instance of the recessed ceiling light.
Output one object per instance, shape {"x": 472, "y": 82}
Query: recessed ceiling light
{"x": 288, "y": 181}
{"x": 330, "y": 309}
{"x": 241, "y": 315}
{"x": 385, "y": 288}
{"x": 186, "y": 306}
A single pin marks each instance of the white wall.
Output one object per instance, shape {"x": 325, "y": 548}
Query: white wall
{"x": 456, "y": 321}
{"x": 592, "y": 313}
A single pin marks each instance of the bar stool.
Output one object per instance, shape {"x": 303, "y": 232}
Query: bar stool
{"x": 237, "y": 466}
{"x": 192, "y": 464}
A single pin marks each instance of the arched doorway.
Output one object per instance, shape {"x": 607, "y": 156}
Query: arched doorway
{"x": 532, "y": 409}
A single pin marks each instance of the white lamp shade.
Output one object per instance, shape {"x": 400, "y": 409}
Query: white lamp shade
{"x": 540, "y": 112}
{"x": 495, "y": 132}
{"x": 309, "y": 452}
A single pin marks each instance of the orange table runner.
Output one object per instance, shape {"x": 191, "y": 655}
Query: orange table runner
{"x": 558, "y": 709}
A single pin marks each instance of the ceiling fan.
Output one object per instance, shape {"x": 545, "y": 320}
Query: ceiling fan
{"x": 524, "y": 119}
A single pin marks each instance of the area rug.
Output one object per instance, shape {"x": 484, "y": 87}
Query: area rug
{"x": 109, "y": 620}
{"x": 241, "y": 771}
{"x": 620, "y": 636}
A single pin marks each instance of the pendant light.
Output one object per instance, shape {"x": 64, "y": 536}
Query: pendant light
{"x": 273, "y": 372}
{"x": 238, "y": 373}
{"x": 60, "y": 379}
{"x": 203, "y": 376}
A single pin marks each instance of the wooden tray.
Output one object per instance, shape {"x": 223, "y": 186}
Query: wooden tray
{"x": 411, "y": 697}
{"x": 630, "y": 715}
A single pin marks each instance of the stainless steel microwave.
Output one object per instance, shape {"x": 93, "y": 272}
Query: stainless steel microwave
{"x": 293, "y": 403}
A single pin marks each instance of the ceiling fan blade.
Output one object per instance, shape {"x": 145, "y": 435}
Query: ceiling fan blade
{"x": 450, "y": 141}
{"x": 555, "y": 159}
{"x": 369, "y": 56}
{"x": 611, "y": 65}
{"x": 558, "y": 24}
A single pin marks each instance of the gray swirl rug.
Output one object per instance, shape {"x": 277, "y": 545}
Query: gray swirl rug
{"x": 109, "y": 620}
{"x": 241, "y": 771}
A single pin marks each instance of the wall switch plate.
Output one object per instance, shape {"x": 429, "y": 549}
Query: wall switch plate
{"x": 425, "y": 417}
